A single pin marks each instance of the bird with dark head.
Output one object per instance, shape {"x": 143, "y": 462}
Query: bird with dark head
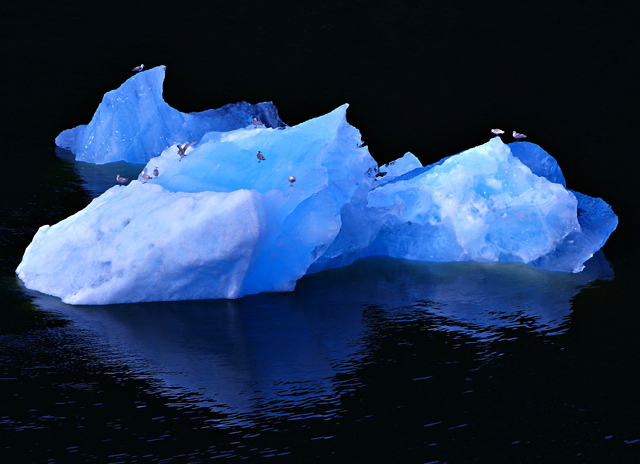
{"x": 260, "y": 157}
{"x": 156, "y": 172}
{"x": 182, "y": 150}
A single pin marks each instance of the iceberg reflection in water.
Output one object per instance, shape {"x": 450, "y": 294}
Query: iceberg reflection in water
{"x": 98, "y": 178}
{"x": 292, "y": 354}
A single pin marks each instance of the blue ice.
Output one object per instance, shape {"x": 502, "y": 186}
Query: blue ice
{"x": 221, "y": 222}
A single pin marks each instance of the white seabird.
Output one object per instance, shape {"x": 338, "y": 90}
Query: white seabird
{"x": 138, "y": 68}
{"x": 121, "y": 180}
{"x": 256, "y": 123}
{"x": 292, "y": 180}
{"x": 497, "y": 131}
{"x": 146, "y": 177}
{"x": 518, "y": 136}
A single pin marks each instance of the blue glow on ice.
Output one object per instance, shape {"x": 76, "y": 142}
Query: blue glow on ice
{"x": 133, "y": 123}
{"x": 219, "y": 223}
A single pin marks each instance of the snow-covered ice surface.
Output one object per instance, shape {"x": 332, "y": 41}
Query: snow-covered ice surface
{"x": 221, "y": 223}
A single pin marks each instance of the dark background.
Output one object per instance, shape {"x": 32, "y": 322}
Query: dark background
{"x": 428, "y": 77}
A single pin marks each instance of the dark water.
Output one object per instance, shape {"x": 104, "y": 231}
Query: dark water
{"x": 383, "y": 361}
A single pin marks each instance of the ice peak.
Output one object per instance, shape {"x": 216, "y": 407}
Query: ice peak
{"x": 133, "y": 122}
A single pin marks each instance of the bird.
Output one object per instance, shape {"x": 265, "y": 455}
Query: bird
{"x": 156, "y": 172}
{"x": 497, "y": 131}
{"x": 292, "y": 180}
{"x": 121, "y": 180}
{"x": 518, "y": 136}
{"x": 260, "y": 157}
{"x": 182, "y": 150}
{"x": 146, "y": 177}
{"x": 138, "y": 68}
{"x": 256, "y": 123}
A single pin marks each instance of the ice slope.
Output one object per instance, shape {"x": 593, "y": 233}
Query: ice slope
{"x": 133, "y": 123}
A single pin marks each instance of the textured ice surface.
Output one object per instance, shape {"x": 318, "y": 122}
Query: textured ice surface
{"x": 481, "y": 205}
{"x": 133, "y": 123}
{"x": 220, "y": 223}
{"x": 216, "y": 224}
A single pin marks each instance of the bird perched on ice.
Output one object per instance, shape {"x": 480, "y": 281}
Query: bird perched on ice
{"x": 257, "y": 123}
{"x": 146, "y": 177}
{"x": 291, "y": 180}
{"x": 260, "y": 157}
{"x": 138, "y": 68}
{"x": 182, "y": 150}
{"x": 518, "y": 136}
{"x": 497, "y": 131}
{"x": 121, "y": 180}
{"x": 156, "y": 172}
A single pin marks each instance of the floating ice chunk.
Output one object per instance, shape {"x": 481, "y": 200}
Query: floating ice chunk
{"x": 216, "y": 224}
{"x": 596, "y": 218}
{"x": 133, "y": 123}
{"x": 481, "y": 205}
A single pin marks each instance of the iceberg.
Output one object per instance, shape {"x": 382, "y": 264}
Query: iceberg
{"x": 216, "y": 224}
{"x": 495, "y": 202}
{"x": 133, "y": 123}
{"x": 222, "y": 222}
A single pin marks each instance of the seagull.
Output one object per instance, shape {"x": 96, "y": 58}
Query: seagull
{"x": 292, "y": 180}
{"x": 497, "y": 131}
{"x": 182, "y": 150}
{"x": 156, "y": 172}
{"x": 256, "y": 123}
{"x": 518, "y": 136}
{"x": 121, "y": 180}
{"x": 138, "y": 68}
{"x": 146, "y": 177}
{"x": 260, "y": 157}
